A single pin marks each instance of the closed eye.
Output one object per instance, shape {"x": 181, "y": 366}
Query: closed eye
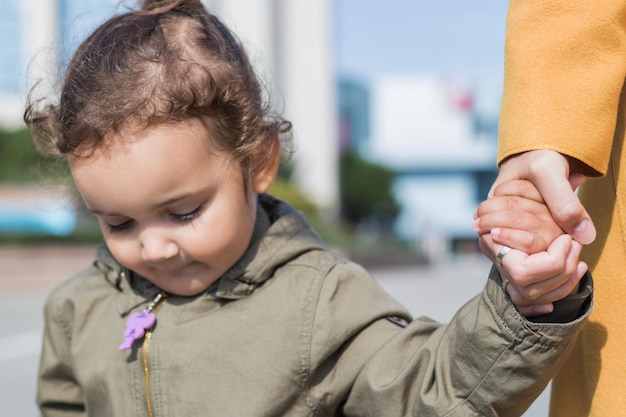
{"x": 116, "y": 228}
{"x": 185, "y": 217}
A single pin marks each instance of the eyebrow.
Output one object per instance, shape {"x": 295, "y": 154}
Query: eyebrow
{"x": 159, "y": 205}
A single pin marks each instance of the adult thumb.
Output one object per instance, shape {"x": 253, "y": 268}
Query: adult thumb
{"x": 566, "y": 208}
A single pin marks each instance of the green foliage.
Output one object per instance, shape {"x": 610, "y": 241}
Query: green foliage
{"x": 21, "y": 165}
{"x": 85, "y": 233}
{"x": 334, "y": 232}
{"x": 366, "y": 194}
{"x": 20, "y": 162}
{"x": 285, "y": 190}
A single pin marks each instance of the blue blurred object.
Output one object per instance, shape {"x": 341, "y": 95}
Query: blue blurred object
{"x": 52, "y": 217}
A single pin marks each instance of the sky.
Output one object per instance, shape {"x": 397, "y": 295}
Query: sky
{"x": 458, "y": 39}
{"x": 375, "y": 38}
{"x": 378, "y": 37}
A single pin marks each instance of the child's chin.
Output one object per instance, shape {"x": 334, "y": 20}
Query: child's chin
{"x": 187, "y": 282}
{"x": 185, "y": 287}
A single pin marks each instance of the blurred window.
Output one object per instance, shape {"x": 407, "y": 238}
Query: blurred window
{"x": 10, "y": 46}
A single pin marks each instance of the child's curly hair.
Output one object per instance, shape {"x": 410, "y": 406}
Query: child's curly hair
{"x": 167, "y": 62}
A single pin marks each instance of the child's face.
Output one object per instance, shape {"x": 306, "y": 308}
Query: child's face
{"x": 171, "y": 207}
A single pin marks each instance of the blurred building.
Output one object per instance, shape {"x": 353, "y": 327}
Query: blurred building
{"x": 290, "y": 41}
{"x": 429, "y": 131}
{"x": 354, "y": 114}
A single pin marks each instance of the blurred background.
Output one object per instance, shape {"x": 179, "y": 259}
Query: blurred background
{"x": 395, "y": 111}
{"x": 394, "y": 106}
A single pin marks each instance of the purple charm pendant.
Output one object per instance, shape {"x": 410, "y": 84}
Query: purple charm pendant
{"x": 136, "y": 327}
{"x": 138, "y": 323}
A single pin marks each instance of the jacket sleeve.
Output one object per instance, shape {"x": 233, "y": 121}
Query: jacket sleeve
{"x": 488, "y": 361}
{"x": 58, "y": 392}
{"x": 565, "y": 64}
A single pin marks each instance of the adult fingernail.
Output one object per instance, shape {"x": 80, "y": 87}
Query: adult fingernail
{"x": 585, "y": 233}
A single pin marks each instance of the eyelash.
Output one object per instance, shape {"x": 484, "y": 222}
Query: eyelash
{"x": 187, "y": 216}
{"x": 181, "y": 218}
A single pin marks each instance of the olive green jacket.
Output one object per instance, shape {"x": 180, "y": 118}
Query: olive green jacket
{"x": 292, "y": 329}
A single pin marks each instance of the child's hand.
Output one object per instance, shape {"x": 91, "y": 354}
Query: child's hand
{"x": 516, "y": 216}
{"x": 536, "y": 281}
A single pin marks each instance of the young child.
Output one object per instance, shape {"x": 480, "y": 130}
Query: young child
{"x": 210, "y": 297}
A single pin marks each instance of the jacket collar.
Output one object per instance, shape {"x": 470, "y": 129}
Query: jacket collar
{"x": 281, "y": 234}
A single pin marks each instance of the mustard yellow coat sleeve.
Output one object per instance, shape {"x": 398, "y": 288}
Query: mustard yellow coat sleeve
{"x": 565, "y": 64}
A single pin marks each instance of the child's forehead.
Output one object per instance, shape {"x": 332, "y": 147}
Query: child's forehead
{"x": 203, "y": 130}
{"x": 152, "y": 162}
{"x": 190, "y": 136}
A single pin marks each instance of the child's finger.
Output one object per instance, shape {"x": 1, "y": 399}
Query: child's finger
{"x": 487, "y": 247}
{"x": 522, "y": 188}
{"x": 512, "y": 203}
{"x": 513, "y": 219}
{"x": 519, "y": 239}
{"x": 511, "y": 228}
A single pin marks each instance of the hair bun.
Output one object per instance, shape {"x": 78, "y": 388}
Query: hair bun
{"x": 160, "y": 6}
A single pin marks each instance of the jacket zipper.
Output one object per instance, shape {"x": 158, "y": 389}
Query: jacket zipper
{"x": 145, "y": 350}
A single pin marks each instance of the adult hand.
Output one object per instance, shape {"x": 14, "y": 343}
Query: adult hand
{"x": 549, "y": 171}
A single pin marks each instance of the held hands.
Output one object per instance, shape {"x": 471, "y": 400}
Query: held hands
{"x": 549, "y": 172}
{"x": 544, "y": 265}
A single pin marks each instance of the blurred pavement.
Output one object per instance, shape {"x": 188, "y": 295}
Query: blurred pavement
{"x": 27, "y": 275}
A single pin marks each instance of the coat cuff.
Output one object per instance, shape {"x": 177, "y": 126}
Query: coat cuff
{"x": 572, "y": 307}
{"x": 570, "y": 311}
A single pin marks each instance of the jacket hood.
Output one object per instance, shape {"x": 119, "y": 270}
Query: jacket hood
{"x": 281, "y": 234}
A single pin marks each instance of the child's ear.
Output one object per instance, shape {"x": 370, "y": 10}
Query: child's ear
{"x": 262, "y": 180}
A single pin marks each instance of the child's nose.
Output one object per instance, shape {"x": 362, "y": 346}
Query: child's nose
{"x": 157, "y": 248}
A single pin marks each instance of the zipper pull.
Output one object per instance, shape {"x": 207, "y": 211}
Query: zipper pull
{"x": 138, "y": 323}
